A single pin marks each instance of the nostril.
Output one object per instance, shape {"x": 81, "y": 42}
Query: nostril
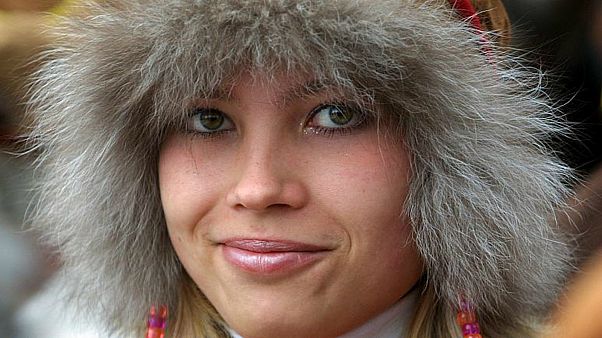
{"x": 273, "y": 196}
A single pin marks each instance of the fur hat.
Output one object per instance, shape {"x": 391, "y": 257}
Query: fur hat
{"x": 484, "y": 188}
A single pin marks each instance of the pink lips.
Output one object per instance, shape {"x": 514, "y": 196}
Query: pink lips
{"x": 267, "y": 256}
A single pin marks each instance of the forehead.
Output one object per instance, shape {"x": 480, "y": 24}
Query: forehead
{"x": 281, "y": 89}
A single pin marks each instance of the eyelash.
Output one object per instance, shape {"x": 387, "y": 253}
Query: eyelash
{"x": 316, "y": 130}
{"x": 210, "y": 136}
{"x": 343, "y": 131}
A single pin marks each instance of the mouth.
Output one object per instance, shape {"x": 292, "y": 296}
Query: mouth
{"x": 258, "y": 256}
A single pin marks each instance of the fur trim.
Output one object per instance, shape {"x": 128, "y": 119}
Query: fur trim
{"x": 484, "y": 184}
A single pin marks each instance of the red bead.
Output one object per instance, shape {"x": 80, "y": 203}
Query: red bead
{"x": 466, "y": 318}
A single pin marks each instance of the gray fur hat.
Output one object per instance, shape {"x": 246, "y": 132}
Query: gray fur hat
{"x": 484, "y": 188}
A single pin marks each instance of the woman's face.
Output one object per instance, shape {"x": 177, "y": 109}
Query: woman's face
{"x": 284, "y": 205}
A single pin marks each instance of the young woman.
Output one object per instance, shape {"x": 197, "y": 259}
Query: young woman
{"x": 298, "y": 169}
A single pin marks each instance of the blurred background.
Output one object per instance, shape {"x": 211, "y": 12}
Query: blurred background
{"x": 563, "y": 37}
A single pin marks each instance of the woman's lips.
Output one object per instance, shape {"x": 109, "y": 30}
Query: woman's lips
{"x": 267, "y": 256}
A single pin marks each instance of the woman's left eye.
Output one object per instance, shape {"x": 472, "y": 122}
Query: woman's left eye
{"x": 335, "y": 117}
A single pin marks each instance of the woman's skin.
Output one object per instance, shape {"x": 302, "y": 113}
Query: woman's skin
{"x": 287, "y": 215}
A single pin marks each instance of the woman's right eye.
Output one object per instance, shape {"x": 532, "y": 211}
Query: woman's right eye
{"x": 209, "y": 122}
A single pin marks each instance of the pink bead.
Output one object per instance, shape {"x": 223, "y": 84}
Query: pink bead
{"x": 470, "y": 328}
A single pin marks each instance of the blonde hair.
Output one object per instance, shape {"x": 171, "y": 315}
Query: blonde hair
{"x": 195, "y": 316}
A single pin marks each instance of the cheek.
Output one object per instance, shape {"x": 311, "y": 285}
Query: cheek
{"x": 186, "y": 195}
{"x": 369, "y": 182}
{"x": 366, "y": 191}
{"x": 174, "y": 180}
{"x": 187, "y": 183}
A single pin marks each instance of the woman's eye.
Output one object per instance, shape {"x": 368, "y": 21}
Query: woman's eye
{"x": 335, "y": 117}
{"x": 209, "y": 121}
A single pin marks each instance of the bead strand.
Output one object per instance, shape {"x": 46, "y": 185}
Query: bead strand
{"x": 157, "y": 321}
{"x": 467, "y": 319}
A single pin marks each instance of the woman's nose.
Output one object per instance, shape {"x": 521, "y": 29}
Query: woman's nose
{"x": 267, "y": 179}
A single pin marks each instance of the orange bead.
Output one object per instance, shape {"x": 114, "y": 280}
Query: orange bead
{"x": 155, "y": 333}
{"x": 466, "y": 318}
{"x": 473, "y": 336}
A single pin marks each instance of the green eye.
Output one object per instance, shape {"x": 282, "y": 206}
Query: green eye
{"x": 339, "y": 116}
{"x": 211, "y": 120}
{"x": 334, "y": 117}
{"x": 207, "y": 121}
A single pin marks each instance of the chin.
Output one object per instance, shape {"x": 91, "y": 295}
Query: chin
{"x": 295, "y": 319}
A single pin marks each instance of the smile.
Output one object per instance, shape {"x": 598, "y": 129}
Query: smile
{"x": 269, "y": 257}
